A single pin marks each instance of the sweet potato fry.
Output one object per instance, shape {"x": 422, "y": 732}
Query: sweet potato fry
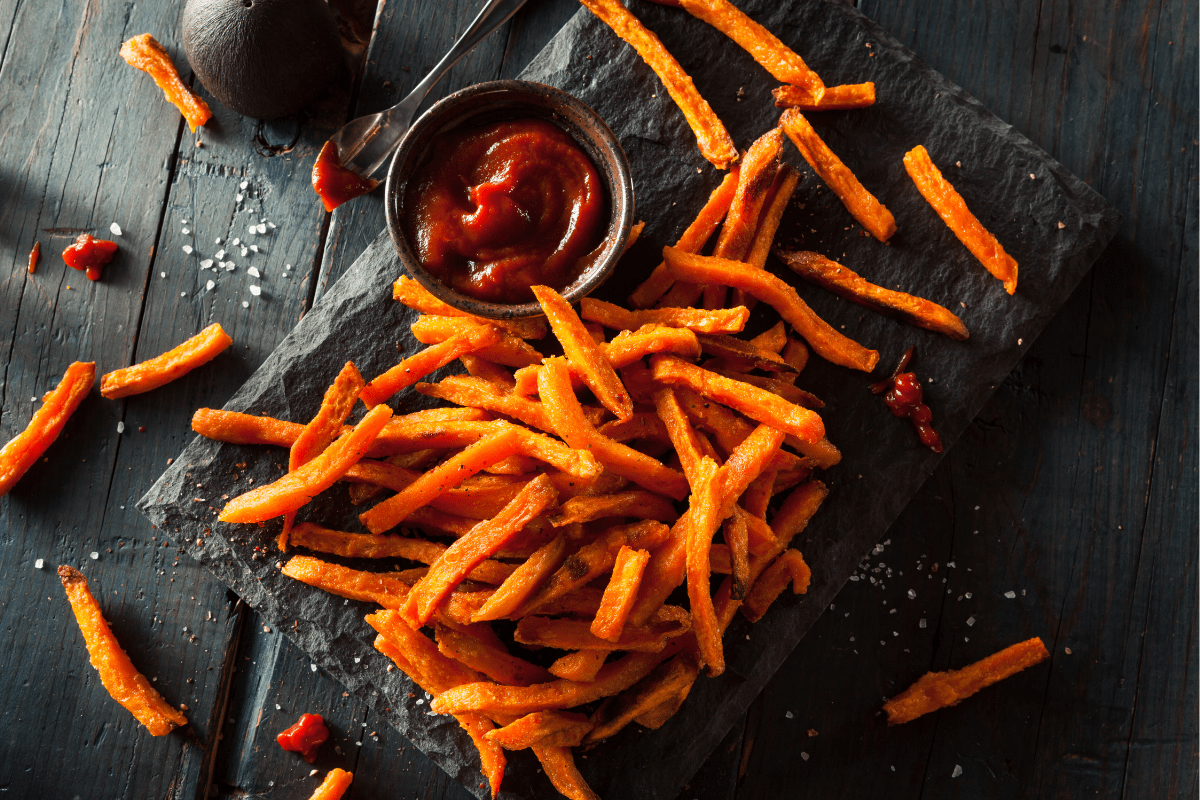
{"x": 543, "y": 729}
{"x": 714, "y": 141}
{"x": 642, "y": 425}
{"x": 773, "y": 55}
{"x": 554, "y": 386}
{"x": 829, "y": 344}
{"x": 730, "y": 430}
{"x": 654, "y": 718}
{"x": 620, "y": 593}
{"x": 418, "y": 365}
{"x": 795, "y": 354}
{"x": 758, "y": 404}
{"x": 951, "y": 207}
{"x": 412, "y": 294}
{"x": 145, "y": 53}
{"x": 524, "y": 581}
{"x": 560, "y": 764}
{"x": 758, "y": 495}
{"x": 758, "y": 174}
{"x": 583, "y": 353}
{"x": 780, "y": 195}
{"x": 705, "y": 518}
{"x": 173, "y": 364}
{"x": 720, "y": 320}
{"x": 861, "y": 204}
{"x": 773, "y": 339}
{"x": 57, "y": 407}
{"x": 117, "y": 673}
{"x": 582, "y": 665}
{"x": 669, "y": 680}
{"x": 483, "y": 541}
{"x": 334, "y": 785}
{"x": 510, "y": 350}
{"x": 936, "y": 690}
{"x": 694, "y": 237}
{"x": 467, "y": 391}
{"x": 738, "y": 544}
{"x": 295, "y": 489}
{"x": 439, "y": 523}
{"x": 630, "y": 346}
{"x": 638, "y": 504}
{"x": 788, "y": 567}
{"x": 797, "y": 509}
{"x": 497, "y": 664}
{"x": 683, "y": 436}
{"x": 477, "y": 497}
{"x": 776, "y": 386}
{"x": 386, "y": 590}
{"x": 835, "y": 98}
{"x": 734, "y": 349}
{"x": 847, "y": 284}
{"x": 493, "y": 373}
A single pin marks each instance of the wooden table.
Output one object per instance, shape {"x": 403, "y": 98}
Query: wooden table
{"x": 1075, "y": 490}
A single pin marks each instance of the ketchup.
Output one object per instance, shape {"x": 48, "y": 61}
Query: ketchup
{"x": 305, "y": 736}
{"x": 905, "y": 398}
{"x": 335, "y": 184}
{"x": 90, "y": 255}
{"x": 34, "y": 255}
{"x": 499, "y": 208}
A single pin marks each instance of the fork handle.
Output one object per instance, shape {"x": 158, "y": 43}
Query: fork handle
{"x": 493, "y": 14}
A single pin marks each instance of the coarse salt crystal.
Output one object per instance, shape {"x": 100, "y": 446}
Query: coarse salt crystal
{"x": 789, "y": 715}
{"x": 313, "y": 667}
{"x": 206, "y": 263}
{"x": 245, "y": 252}
{"x": 967, "y": 595}
{"x": 271, "y": 225}
{"x": 230, "y": 266}
{"x": 183, "y": 222}
{"x": 254, "y": 272}
{"x": 957, "y": 771}
{"x": 218, "y": 240}
{"x": 239, "y": 198}
{"x": 262, "y": 228}
{"x": 236, "y": 242}
{"x": 912, "y": 594}
{"x": 220, "y": 254}
{"x": 253, "y": 229}
{"x": 357, "y": 660}
{"x": 921, "y": 624}
{"x": 183, "y": 294}
{"x": 115, "y": 228}
{"x": 1010, "y": 594}
{"x": 255, "y": 290}
{"x": 185, "y": 231}
{"x": 120, "y": 427}
{"x": 313, "y": 772}
{"x": 804, "y": 755}
{"x": 162, "y": 274}
{"x": 245, "y": 304}
{"x": 420, "y": 701}
{"x": 970, "y": 621}
{"x": 278, "y": 707}
{"x": 243, "y": 184}
{"x": 94, "y": 555}
{"x": 39, "y": 564}
{"x": 209, "y": 286}
{"x": 187, "y": 248}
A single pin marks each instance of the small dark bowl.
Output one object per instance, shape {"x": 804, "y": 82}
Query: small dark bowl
{"x": 503, "y": 100}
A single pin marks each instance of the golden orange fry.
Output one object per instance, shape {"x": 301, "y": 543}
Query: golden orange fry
{"x": 720, "y": 320}
{"x": 582, "y": 665}
{"x": 758, "y": 174}
{"x": 145, "y": 53}
{"x": 524, "y": 581}
{"x": 481, "y": 656}
{"x": 788, "y": 567}
{"x": 562, "y": 772}
{"x": 543, "y": 729}
{"x": 57, "y": 407}
{"x": 620, "y": 593}
{"x": 173, "y": 364}
{"x": 671, "y": 679}
{"x": 418, "y": 365}
{"x": 412, "y": 294}
{"x": 511, "y": 351}
{"x": 835, "y": 98}
{"x": 334, "y": 785}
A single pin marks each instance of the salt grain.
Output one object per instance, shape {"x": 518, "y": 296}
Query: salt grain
{"x": 187, "y": 248}
{"x": 957, "y": 768}
{"x": 804, "y": 755}
{"x": 262, "y": 228}
{"x": 120, "y": 427}
{"x": 218, "y": 240}
{"x": 313, "y": 667}
{"x": 206, "y": 263}
{"x": 254, "y": 248}
{"x": 39, "y": 564}
{"x": 239, "y": 198}
{"x": 921, "y": 624}
{"x": 278, "y": 707}
{"x": 912, "y": 594}
{"x": 210, "y": 285}
{"x": 1010, "y": 594}
{"x": 255, "y": 290}
{"x": 245, "y": 304}
{"x": 245, "y": 252}
{"x": 94, "y": 556}
{"x": 162, "y": 274}
{"x": 243, "y": 184}
{"x": 970, "y": 621}
{"x": 789, "y": 715}
{"x": 236, "y": 242}
{"x": 116, "y": 229}
{"x": 220, "y": 254}
{"x": 183, "y": 294}
{"x": 254, "y": 272}
{"x": 185, "y": 231}
{"x": 271, "y": 225}
{"x": 253, "y": 229}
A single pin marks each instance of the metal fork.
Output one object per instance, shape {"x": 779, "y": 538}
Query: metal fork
{"x": 364, "y": 144}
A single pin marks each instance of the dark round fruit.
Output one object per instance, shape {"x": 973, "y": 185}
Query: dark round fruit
{"x": 262, "y": 58}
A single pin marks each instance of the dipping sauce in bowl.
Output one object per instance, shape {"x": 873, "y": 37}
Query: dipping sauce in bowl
{"x": 497, "y": 208}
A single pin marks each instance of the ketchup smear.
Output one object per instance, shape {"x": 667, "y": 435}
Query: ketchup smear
{"x": 335, "y": 184}
{"x": 305, "y": 736}
{"x": 90, "y": 255}
{"x": 905, "y": 398}
{"x": 496, "y": 209}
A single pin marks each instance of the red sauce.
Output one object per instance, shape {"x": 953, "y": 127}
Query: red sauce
{"x": 499, "y": 208}
{"x": 905, "y": 398}
{"x": 90, "y": 255}
{"x": 335, "y": 184}
{"x": 305, "y": 736}
{"x": 34, "y": 254}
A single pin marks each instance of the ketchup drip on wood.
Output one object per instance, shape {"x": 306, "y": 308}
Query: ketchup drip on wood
{"x": 34, "y": 254}
{"x": 89, "y": 255}
{"x": 905, "y": 398}
{"x": 305, "y": 736}
{"x": 335, "y": 184}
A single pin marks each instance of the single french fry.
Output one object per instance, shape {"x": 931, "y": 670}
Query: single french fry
{"x": 117, "y": 673}
{"x": 730, "y": 430}
{"x": 418, "y": 365}
{"x": 773, "y": 339}
{"x": 295, "y": 489}
{"x": 511, "y": 350}
{"x": 935, "y": 690}
{"x": 669, "y": 680}
{"x": 620, "y": 593}
{"x": 582, "y": 665}
{"x": 738, "y": 544}
{"x": 524, "y": 581}
{"x": 720, "y": 320}
{"x": 705, "y": 518}
{"x": 642, "y": 425}
{"x": 758, "y": 175}
{"x": 23, "y": 451}
{"x": 629, "y": 346}
{"x": 861, "y": 204}
{"x": 835, "y": 98}
{"x": 788, "y": 567}
{"x": 847, "y": 284}
{"x": 781, "y": 193}
{"x": 560, "y": 764}
{"x": 439, "y": 523}
{"x": 483, "y": 541}
{"x": 739, "y": 350}
{"x": 776, "y": 386}
{"x": 797, "y": 509}
{"x": 773, "y": 55}
{"x": 683, "y": 436}
{"x": 145, "y": 53}
{"x": 654, "y": 718}
{"x": 757, "y": 496}
{"x": 827, "y": 342}
{"x": 583, "y": 353}
{"x": 491, "y": 372}
{"x": 479, "y": 393}
{"x": 664, "y": 572}
{"x": 951, "y": 207}
{"x": 412, "y": 294}
{"x": 694, "y": 237}
{"x": 714, "y": 141}
{"x": 635, "y": 233}
{"x": 477, "y": 497}
{"x": 795, "y": 354}
{"x": 544, "y": 729}
{"x": 333, "y": 785}
{"x": 171, "y": 365}
{"x": 639, "y": 504}
{"x": 372, "y": 587}
{"x": 554, "y": 386}
{"x": 499, "y": 665}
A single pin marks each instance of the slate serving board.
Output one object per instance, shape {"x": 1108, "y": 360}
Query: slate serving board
{"x": 1019, "y": 193}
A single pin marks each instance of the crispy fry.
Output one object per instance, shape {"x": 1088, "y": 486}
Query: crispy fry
{"x": 936, "y": 690}
{"x": 738, "y": 544}
{"x": 334, "y": 785}
{"x": 295, "y": 489}
{"x": 694, "y": 237}
{"x": 583, "y": 353}
{"x": 730, "y": 430}
{"x": 620, "y": 594}
{"x": 861, "y": 204}
{"x": 951, "y": 207}
{"x": 773, "y": 339}
{"x": 797, "y": 509}
{"x": 630, "y": 346}
{"x": 758, "y": 495}
{"x": 117, "y": 673}
{"x": 773, "y": 55}
{"x": 467, "y": 391}
{"x": 477, "y": 497}
{"x": 439, "y": 523}
{"x": 412, "y": 294}
{"x": 669, "y": 680}
{"x": 511, "y": 350}
{"x": 493, "y": 373}
{"x": 845, "y": 283}
{"x": 497, "y": 664}
{"x": 639, "y": 504}
{"x": 776, "y": 386}
{"x": 683, "y": 436}
{"x": 758, "y": 174}
{"x": 787, "y": 567}
{"x": 642, "y": 425}
{"x": 732, "y": 348}
{"x": 418, "y": 365}
{"x": 386, "y": 590}
{"x": 543, "y": 729}
{"x": 786, "y": 180}
{"x": 795, "y": 354}
{"x": 524, "y": 581}
{"x": 835, "y": 98}
{"x": 829, "y": 344}
{"x": 145, "y": 53}
{"x": 554, "y": 386}
{"x": 483, "y": 541}
{"x": 560, "y": 764}
{"x": 582, "y": 665}
{"x": 655, "y": 718}
{"x": 720, "y": 320}
{"x": 173, "y": 364}
{"x": 57, "y": 406}
{"x": 36, "y": 253}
